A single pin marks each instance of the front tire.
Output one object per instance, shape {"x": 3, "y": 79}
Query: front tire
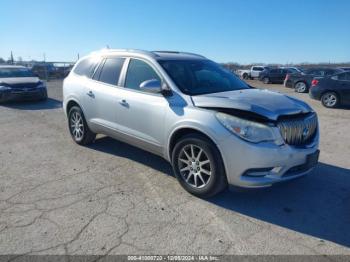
{"x": 330, "y": 100}
{"x": 198, "y": 166}
{"x": 78, "y": 127}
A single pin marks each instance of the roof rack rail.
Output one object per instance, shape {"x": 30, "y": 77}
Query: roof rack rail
{"x": 166, "y": 51}
{"x": 178, "y": 52}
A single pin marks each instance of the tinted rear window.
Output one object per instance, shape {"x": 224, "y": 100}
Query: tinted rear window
{"x": 292, "y": 70}
{"x": 15, "y": 72}
{"x": 111, "y": 70}
{"x": 86, "y": 66}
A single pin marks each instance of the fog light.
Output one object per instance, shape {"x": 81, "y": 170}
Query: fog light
{"x": 258, "y": 172}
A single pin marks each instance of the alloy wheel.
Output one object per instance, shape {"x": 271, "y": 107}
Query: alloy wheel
{"x": 194, "y": 166}
{"x": 300, "y": 87}
{"x": 330, "y": 100}
{"x": 77, "y": 125}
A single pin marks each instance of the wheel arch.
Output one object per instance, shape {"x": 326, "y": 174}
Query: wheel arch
{"x": 183, "y": 131}
{"x": 72, "y": 101}
{"x": 301, "y": 81}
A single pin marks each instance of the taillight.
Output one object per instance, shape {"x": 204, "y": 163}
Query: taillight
{"x": 314, "y": 82}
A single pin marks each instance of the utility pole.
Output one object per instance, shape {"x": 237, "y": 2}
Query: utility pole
{"x": 11, "y": 58}
{"x": 45, "y": 68}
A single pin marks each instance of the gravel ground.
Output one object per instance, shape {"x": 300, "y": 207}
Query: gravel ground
{"x": 110, "y": 198}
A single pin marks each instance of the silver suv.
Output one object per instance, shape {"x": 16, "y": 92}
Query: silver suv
{"x": 213, "y": 128}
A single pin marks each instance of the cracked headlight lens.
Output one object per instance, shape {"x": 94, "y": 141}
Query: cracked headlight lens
{"x": 245, "y": 129}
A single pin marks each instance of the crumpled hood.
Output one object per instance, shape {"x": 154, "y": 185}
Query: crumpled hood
{"x": 263, "y": 102}
{"x": 19, "y": 80}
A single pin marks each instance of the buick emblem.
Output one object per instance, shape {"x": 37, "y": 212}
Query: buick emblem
{"x": 305, "y": 132}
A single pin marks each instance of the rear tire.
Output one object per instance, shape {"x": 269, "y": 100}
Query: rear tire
{"x": 301, "y": 87}
{"x": 266, "y": 80}
{"x": 330, "y": 99}
{"x": 198, "y": 166}
{"x": 78, "y": 127}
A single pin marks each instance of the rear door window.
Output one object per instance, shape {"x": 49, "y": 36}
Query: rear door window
{"x": 110, "y": 72}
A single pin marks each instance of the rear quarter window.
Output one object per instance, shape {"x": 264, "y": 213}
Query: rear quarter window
{"x": 86, "y": 66}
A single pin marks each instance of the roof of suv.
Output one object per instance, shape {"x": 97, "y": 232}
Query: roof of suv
{"x": 159, "y": 55}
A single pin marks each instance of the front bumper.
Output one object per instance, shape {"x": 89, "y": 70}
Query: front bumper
{"x": 23, "y": 95}
{"x": 260, "y": 165}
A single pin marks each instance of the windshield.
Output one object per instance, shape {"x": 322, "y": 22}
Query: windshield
{"x": 197, "y": 77}
{"x": 15, "y": 72}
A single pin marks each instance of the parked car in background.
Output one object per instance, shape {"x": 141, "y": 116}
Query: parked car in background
{"x": 332, "y": 90}
{"x": 273, "y": 75}
{"x": 44, "y": 71}
{"x": 243, "y": 73}
{"x": 292, "y": 69}
{"x": 193, "y": 113}
{"x": 344, "y": 68}
{"x": 253, "y": 72}
{"x": 20, "y": 83}
{"x": 301, "y": 82}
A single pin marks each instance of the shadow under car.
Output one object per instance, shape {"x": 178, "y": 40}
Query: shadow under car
{"x": 317, "y": 205}
{"x": 49, "y": 103}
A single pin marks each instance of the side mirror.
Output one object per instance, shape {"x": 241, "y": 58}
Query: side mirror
{"x": 152, "y": 86}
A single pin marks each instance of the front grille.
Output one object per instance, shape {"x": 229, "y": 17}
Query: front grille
{"x": 24, "y": 85}
{"x": 298, "y": 130}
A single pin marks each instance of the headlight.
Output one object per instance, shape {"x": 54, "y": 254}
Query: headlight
{"x": 41, "y": 85}
{"x": 247, "y": 130}
{"x": 4, "y": 88}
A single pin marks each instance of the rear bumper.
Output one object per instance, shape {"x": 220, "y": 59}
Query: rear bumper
{"x": 315, "y": 93}
{"x": 288, "y": 83}
{"x": 23, "y": 95}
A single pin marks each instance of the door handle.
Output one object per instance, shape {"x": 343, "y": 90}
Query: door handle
{"x": 90, "y": 94}
{"x": 124, "y": 103}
